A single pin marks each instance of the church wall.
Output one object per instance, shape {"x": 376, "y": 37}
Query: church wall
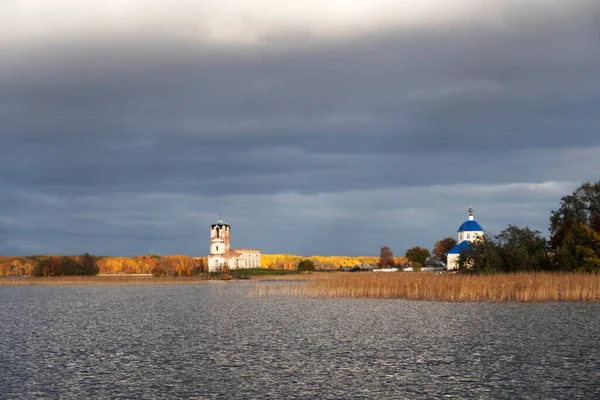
{"x": 469, "y": 236}
{"x": 452, "y": 261}
{"x": 246, "y": 259}
{"x": 249, "y": 259}
{"x": 216, "y": 262}
{"x": 217, "y": 247}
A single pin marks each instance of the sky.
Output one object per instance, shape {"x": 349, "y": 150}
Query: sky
{"x": 330, "y": 127}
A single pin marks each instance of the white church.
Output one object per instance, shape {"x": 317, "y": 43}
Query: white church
{"x": 222, "y": 255}
{"x": 468, "y": 232}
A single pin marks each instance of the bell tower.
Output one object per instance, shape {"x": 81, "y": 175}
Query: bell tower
{"x": 219, "y": 237}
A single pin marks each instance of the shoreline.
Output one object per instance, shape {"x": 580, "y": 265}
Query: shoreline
{"x": 515, "y": 287}
{"x": 100, "y": 280}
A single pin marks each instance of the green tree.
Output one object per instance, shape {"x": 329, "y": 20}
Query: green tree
{"x": 581, "y": 207}
{"x": 580, "y": 250}
{"x": 69, "y": 266}
{"x": 88, "y": 265}
{"x": 514, "y": 249}
{"x": 417, "y": 255}
{"x": 522, "y": 249}
{"x": 386, "y": 258}
{"x": 484, "y": 257}
{"x": 306, "y": 265}
{"x": 442, "y": 246}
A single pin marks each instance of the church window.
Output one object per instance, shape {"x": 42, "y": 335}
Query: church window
{"x": 460, "y": 237}
{"x": 468, "y": 236}
{"x": 217, "y": 248}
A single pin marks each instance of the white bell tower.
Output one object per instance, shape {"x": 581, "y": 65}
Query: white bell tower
{"x": 219, "y": 238}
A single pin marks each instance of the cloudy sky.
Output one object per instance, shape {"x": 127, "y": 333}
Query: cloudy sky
{"x": 315, "y": 127}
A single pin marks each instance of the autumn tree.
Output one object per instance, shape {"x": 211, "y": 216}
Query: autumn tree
{"x": 442, "y": 246}
{"x": 177, "y": 265}
{"x": 199, "y": 266}
{"x": 417, "y": 255}
{"x": 66, "y": 265}
{"x": 386, "y": 258}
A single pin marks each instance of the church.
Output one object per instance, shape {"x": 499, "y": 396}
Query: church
{"x": 468, "y": 232}
{"x": 222, "y": 255}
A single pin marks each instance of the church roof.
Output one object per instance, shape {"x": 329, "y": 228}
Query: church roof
{"x": 462, "y": 246}
{"x": 220, "y": 223}
{"x": 470, "y": 225}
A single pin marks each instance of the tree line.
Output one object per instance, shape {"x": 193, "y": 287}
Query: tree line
{"x": 173, "y": 265}
{"x": 85, "y": 264}
{"x": 574, "y": 243}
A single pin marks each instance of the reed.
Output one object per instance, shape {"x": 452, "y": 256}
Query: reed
{"x": 519, "y": 287}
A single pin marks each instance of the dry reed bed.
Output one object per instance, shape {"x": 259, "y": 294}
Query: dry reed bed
{"x": 121, "y": 280}
{"x": 520, "y": 287}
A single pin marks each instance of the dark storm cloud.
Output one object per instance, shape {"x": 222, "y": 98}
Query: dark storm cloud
{"x": 88, "y": 126}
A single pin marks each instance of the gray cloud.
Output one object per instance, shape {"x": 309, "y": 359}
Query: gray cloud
{"x": 134, "y": 144}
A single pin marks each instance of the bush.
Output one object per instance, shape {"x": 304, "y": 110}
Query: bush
{"x": 306, "y": 265}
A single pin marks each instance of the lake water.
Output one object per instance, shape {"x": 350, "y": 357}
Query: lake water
{"x": 215, "y": 341}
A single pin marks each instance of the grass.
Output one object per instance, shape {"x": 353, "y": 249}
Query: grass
{"x": 520, "y": 287}
{"x": 240, "y": 273}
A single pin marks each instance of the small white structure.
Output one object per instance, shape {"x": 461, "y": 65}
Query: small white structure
{"x": 468, "y": 232}
{"x": 222, "y": 255}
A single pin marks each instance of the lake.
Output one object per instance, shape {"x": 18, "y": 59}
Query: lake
{"x": 216, "y": 341}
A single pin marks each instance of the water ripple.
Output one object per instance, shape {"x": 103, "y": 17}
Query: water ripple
{"x": 214, "y": 341}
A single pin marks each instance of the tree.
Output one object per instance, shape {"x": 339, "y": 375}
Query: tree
{"x": 306, "y": 265}
{"x": 88, "y": 265}
{"x": 483, "y": 257}
{"x": 522, "y": 249}
{"x": 443, "y": 246}
{"x": 580, "y": 250}
{"x": 16, "y": 268}
{"x": 581, "y": 207}
{"x": 417, "y": 255}
{"x": 178, "y": 265}
{"x": 514, "y": 249}
{"x": 386, "y": 258}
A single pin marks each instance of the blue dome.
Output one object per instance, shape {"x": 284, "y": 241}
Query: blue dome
{"x": 470, "y": 226}
{"x": 462, "y": 246}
